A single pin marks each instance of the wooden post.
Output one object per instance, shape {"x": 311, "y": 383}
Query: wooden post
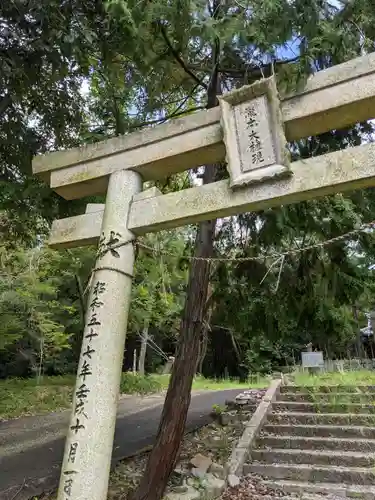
{"x": 142, "y": 354}
{"x": 135, "y": 362}
{"x": 88, "y": 449}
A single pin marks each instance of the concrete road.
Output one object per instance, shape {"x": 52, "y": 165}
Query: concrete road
{"x": 31, "y": 448}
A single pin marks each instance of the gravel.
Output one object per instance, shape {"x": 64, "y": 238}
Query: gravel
{"x": 251, "y": 488}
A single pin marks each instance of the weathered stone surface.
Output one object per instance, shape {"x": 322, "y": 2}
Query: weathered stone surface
{"x": 179, "y": 131}
{"x": 333, "y": 407}
{"x": 214, "y": 486}
{"x": 225, "y": 419}
{"x": 201, "y": 462}
{"x": 340, "y": 419}
{"x": 340, "y": 170}
{"x": 309, "y": 473}
{"x": 254, "y": 133}
{"x": 343, "y": 431}
{"x": 249, "y": 434}
{"x": 328, "y": 389}
{"x": 79, "y": 230}
{"x": 109, "y": 301}
{"x": 178, "y": 476}
{"x": 252, "y": 428}
{"x": 328, "y": 397}
{"x": 155, "y": 160}
{"x": 233, "y": 480}
{"x": 180, "y": 489}
{"x": 147, "y": 193}
{"x": 190, "y": 494}
{"x": 143, "y": 195}
{"x": 334, "y": 491}
{"x": 217, "y": 470}
{"x": 314, "y": 457}
{"x": 233, "y": 417}
{"x": 251, "y": 395}
{"x": 313, "y": 177}
{"x": 237, "y": 459}
{"x": 316, "y": 442}
{"x": 92, "y": 208}
{"x": 216, "y": 442}
{"x": 198, "y": 473}
{"x": 253, "y": 488}
{"x": 330, "y": 491}
{"x": 297, "y": 456}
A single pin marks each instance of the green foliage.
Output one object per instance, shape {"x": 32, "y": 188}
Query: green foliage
{"x": 348, "y": 378}
{"x": 42, "y": 306}
{"x": 304, "y": 297}
{"x": 40, "y": 309}
{"x": 110, "y": 67}
{"x": 28, "y": 303}
{"x": 142, "y": 384}
{"x": 19, "y": 397}
{"x": 217, "y": 409}
{"x": 159, "y": 285}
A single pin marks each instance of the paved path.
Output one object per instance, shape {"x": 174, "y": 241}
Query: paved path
{"x": 31, "y": 448}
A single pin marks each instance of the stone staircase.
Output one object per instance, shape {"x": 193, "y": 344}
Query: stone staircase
{"x": 318, "y": 441}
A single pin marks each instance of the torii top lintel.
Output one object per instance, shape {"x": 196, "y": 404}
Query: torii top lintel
{"x": 331, "y": 99}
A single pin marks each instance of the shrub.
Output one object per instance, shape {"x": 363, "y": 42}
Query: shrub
{"x": 140, "y": 384}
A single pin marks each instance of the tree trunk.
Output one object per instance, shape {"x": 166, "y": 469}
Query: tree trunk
{"x": 142, "y": 354}
{"x": 134, "y": 361}
{"x": 81, "y": 298}
{"x": 205, "y": 331}
{"x": 164, "y": 454}
{"x": 203, "y": 350}
{"x": 359, "y": 344}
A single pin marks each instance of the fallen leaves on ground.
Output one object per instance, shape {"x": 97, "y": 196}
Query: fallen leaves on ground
{"x": 251, "y": 488}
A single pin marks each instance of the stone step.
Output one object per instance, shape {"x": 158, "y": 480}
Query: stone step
{"x": 312, "y": 473}
{"x": 301, "y": 496}
{"x": 359, "y": 389}
{"x": 314, "y": 457}
{"x": 327, "y": 397}
{"x": 294, "y": 442}
{"x": 318, "y": 406}
{"x": 334, "y": 431}
{"x": 298, "y": 418}
{"x": 329, "y": 489}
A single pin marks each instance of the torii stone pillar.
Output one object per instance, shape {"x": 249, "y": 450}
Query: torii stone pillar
{"x": 88, "y": 448}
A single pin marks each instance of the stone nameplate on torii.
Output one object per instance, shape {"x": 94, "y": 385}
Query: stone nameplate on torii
{"x": 254, "y": 138}
{"x": 249, "y": 129}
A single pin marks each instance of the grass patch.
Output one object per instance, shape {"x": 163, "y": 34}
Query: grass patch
{"x": 255, "y": 382}
{"x": 20, "y": 397}
{"x": 131, "y": 384}
{"x": 354, "y": 378}
{"x": 143, "y": 384}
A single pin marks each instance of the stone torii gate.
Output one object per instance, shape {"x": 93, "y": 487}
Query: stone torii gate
{"x": 249, "y": 131}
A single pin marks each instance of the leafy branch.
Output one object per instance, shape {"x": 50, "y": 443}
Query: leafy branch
{"x": 179, "y": 59}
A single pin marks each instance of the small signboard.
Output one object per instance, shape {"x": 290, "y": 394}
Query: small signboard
{"x": 312, "y": 359}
